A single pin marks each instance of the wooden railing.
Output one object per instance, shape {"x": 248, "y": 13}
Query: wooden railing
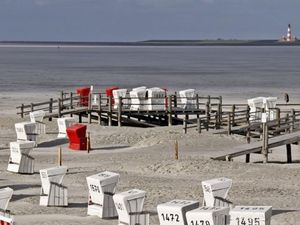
{"x": 285, "y": 120}
{"x": 99, "y": 101}
{"x": 214, "y": 114}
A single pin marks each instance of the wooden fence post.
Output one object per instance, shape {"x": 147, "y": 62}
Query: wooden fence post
{"x": 247, "y": 158}
{"x": 220, "y": 112}
{"x": 248, "y": 114}
{"x": 62, "y": 99}
{"x": 185, "y": 122}
{"x": 170, "y": 110}
{"x": 265, "y": 142}
{"x": 197, "y": 105}
{"x": 199, "y": 125}
{"x": 59, "y": 157}
{"x": 50, "y": 108}
{"x": 278, "y": 117}
{"x": 229, "y": 124}
{"x": 217, "y": 120}
{"x": 71, "y": 100}
{"x": 293, "y": 119}
{"x": 248, "y": 135}
{"x": 71, "y": 103}
{"x": 233, "y": 114}
{"x": 59, "y": 107}
{"x": 22, "y": 111}
{"x": 287, "y": 116}
{"x": 120, "y": 112}
{"x": 100, "y": 109}
{"x": 176, "y": 150}
{"x": 175, "y": 103}
{"x": 207, "y": 112}
{"x": 62, "y": 95}
{"x": 109, "y": 111}
{"x": 175, "y": 99}
{"x": 80, "y": 117}
{"x": 88, "y": 144}
{"x": 90, "y": 108}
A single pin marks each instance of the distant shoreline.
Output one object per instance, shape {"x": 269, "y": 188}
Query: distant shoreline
{"x": 218, "y": 42}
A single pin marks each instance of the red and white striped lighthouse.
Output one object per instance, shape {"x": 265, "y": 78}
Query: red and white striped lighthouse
{"x": 289, "y": 37}
{"x": 289, "y": 33}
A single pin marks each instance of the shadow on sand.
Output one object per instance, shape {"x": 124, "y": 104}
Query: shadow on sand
{"x": 111, "y": 147}
{"x": 17, "y": 197}
{"x": 281, "y": 211}
{"x": 53, "y": 143}
{"x": 278, "y": 162}
{"x": 77, "y": 205}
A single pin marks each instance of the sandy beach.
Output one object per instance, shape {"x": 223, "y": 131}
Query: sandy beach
{"x": 144, "y": 158}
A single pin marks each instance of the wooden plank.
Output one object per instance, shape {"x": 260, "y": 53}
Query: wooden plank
{"x": 257, "y": 146}
{"x": 232, "y": 130}
{"x": 66, "y": 112}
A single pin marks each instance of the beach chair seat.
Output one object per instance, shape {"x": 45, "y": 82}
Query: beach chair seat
{"x": 215, "y": 192}
{"x": 138, "y": 98}
{"x": 188, "y": 98}
{"x": 156, "y": 99}
{"x": 102, "y": 187}
{"x": 125, "y": 104}
{"x": 53, "y": 193}
{"x": 26, "y": 131}
{"x": 20, "y": 160}
{"x": 38, "y": 117}
{"x": 129, "y": 205}
{"x": 63, "y": 124}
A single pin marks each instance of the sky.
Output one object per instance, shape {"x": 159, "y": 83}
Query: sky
{"x": 138, "y": 20}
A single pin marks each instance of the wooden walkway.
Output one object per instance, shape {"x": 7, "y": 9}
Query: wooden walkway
{"x": 166, "y": 111}
{"x": 256, "y": 147}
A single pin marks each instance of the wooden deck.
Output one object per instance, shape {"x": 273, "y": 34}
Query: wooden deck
{"x": 200, "y": 113}
{"x": 168, "y": 110}
{"x": 256, "y": 147}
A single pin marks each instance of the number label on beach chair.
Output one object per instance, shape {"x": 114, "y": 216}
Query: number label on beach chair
{"x": 95, "y": 188}
{"x": 208, "y": 216}
{"x": 200, "y": 222}
{"x": 170, "y": 217}
{"x": 174, "y": 212}
{"x": 101, "y": 190}
{"x": 251, "y": 215}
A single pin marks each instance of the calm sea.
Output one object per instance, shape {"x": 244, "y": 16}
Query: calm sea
{"x": 227, "y": 71}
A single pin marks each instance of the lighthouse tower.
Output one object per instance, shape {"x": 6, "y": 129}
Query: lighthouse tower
{"x": 289, "y": 33}
{"x": 289, "y": 37}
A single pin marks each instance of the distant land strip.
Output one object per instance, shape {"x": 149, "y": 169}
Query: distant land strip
{"x": 218, "y": 42}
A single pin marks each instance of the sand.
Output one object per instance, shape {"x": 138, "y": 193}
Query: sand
{"x": 144, "y": 157}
